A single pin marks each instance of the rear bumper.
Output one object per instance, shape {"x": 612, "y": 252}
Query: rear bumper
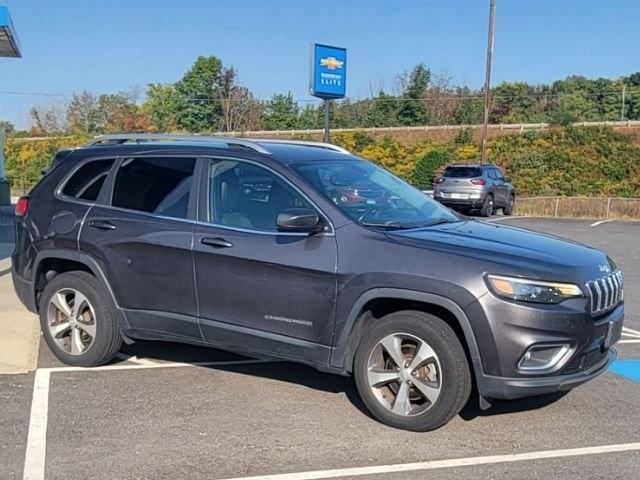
{"x": 24, "y": 291}
{"x": 512, "y": 388}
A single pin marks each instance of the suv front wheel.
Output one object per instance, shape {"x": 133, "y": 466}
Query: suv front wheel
{"x": 78, "y": 321}
{"x": 411, "y": 371}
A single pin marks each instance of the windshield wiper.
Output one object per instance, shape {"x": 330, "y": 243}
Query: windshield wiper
{"x": 387, "y": 225}
{"x": 440, "y": 221}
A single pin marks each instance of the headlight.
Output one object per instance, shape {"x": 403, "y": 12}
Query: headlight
{"x": 532, "y": 290}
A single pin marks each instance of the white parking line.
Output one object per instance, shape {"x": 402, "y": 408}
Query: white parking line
{"x": 452, "y": 463}
{"x": 600, "y": 222}
{"x": 630, "y": 332}
{"x": 37, "y": 437}
{"x": 35, "y": 455}
{"x": 138, "y": 366}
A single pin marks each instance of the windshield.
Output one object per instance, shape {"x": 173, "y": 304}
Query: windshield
{"x": 462, "y": 172}
{"x": 372, "y": 196}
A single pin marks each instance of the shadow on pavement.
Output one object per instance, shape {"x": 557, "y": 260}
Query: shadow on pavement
{"x": 311, "y": 378}
{"x": 501, "y": 407}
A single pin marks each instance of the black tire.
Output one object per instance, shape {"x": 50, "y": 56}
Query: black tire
{"x": 508, "y": 209}
{"x": 487, "y": 206}
{"x": 107, "y": 340}
{"x": 456, "y": 380}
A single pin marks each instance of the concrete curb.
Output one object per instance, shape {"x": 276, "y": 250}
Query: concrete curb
{"x": 20, "y": 337}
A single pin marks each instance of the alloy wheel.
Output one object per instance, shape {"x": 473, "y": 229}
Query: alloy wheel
{"x": 71, "y": 321}
{"x": 404, "y": 374}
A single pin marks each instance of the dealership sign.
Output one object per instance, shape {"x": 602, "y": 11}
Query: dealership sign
{"x": 9, "y": 45}
{"x": 328, "y": 71}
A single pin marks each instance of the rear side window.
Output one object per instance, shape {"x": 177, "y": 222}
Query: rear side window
{"x": 154, "y": 185}
{"x": 462, "y": 172}
{"x": 86, "y": 182}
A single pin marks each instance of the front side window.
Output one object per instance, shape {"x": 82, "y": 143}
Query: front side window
{"x": 86, "y": 182}
{"x": 243, "y": 195}
{"x": 154, "y": 185}
{"x": 372, "y": 196}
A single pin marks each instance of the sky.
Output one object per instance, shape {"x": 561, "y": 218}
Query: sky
{"x": 109, "y": 46}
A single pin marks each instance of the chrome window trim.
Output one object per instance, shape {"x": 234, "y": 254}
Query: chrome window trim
{"x": 331, "y": 233}
{"x": 57, "y": 193}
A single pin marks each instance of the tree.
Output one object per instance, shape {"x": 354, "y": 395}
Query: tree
{"x": 413, "y": 111}
{"x": 198, "y": 96}
{"x": 382, "y": 112}
{"x": 6, "y": 127}
{"x": 119, "y": 113}
{"x": 428, "y": 165}
{"x": 47, "y": 120}
{"x": 281, "y": 113}
{"x": 161, "y": 107}
{"x": 83, "y": 113}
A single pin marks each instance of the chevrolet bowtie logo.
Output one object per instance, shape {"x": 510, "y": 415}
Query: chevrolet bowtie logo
{"x": 332, "y": 63}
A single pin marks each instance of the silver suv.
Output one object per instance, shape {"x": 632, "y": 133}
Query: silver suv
{"x": 475, "y": 187}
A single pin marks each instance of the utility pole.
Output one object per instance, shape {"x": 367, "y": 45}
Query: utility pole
{"x": 487, "y": 82}
{"x": 624, "y": 90}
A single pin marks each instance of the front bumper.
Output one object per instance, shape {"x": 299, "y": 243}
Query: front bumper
{"x": 512, "y": 388}
{"x": 515, "y": 327}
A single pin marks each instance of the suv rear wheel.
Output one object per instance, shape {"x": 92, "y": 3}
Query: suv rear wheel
{"x": 411, "y": 371}
{"x": 487, "y": 206}
{"x": 78, "y": 321}
{"x": 508, "y": 209}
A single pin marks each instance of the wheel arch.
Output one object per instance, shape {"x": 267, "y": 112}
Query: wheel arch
{"x": 68, "y": 260}
{"x": 393, "y": 299}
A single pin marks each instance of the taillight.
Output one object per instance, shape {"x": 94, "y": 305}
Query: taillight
{"x": 478, "y": 181}
{"x": 22, "y": 206}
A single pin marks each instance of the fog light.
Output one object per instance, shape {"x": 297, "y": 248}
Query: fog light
{"x": 544, "y": 358}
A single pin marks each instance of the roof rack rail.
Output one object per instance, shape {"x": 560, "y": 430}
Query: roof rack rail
{"x": 326, "y": 146}
{"x": 122, "y": 138}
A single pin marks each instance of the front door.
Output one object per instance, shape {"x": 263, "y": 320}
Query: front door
{"x": 142, "y": 241}
{"x": 279, "y": 288}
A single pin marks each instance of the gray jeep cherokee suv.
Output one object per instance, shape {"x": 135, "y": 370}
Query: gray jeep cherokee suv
{"x": 301, "y": 251}
{"x": 475, "y": 187}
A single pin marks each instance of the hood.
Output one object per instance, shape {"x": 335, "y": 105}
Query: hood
{"x": 524, "y": 252}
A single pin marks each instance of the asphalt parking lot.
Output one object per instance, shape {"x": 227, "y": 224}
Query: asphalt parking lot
{"x": 167, "y": 411}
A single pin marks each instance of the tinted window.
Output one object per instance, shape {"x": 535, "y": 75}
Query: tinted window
{"x": 86, "y": 182}
{"x": 246, "y": 196}
{"x": 462, "y": 172}
{"x": 371, "y": 195}
{"x": 154, "y": 185}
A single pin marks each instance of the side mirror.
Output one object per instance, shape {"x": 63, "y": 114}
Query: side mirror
{"x": 299, "y": 220}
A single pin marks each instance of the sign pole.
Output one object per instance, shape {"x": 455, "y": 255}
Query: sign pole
{"x": 327, "y": 116}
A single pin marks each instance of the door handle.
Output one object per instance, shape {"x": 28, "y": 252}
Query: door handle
{"x": 216, "y": 242}
{"x": 102, "y": 224}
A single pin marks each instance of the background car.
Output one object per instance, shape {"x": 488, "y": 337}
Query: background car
{"x": 475, "y": 187}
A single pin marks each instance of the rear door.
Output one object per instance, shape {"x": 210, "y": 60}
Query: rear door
{"x": 252, "y": 278}
{"x": 142, "y": 240}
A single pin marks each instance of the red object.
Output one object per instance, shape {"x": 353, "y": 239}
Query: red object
{"x": 22, "y": 206}
{"x": 478, "y": 181}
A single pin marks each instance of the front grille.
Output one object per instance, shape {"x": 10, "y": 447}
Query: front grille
{"x": 605, "y": 292}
